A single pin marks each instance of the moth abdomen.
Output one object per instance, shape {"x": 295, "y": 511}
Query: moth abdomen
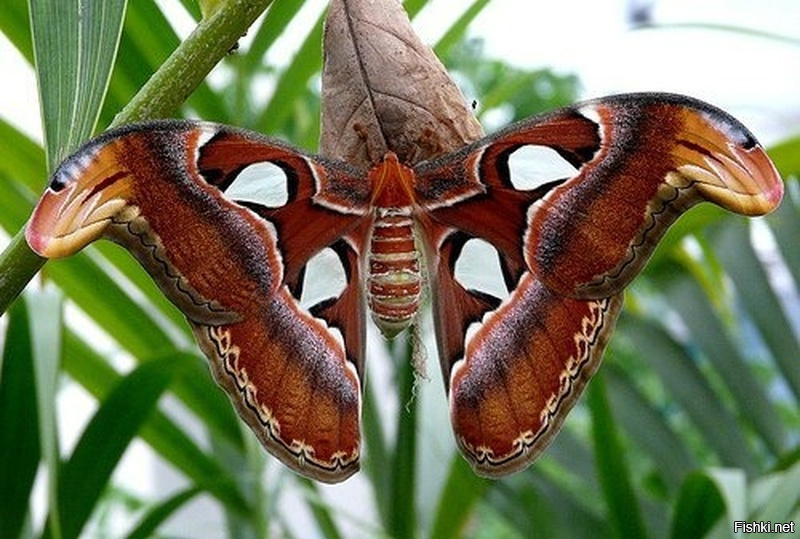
{"x": 394, "y": 283}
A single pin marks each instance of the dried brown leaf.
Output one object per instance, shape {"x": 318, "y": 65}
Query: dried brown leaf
{"x": 384, "y": 90}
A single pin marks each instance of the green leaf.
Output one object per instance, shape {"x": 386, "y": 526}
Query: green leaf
{"x": 534, "y": 500}
{"x": 402, "y": 512}
{"x": 45, "y": 329}
{"x": 19, "y": 437}
{"x": 571, "y": 453}
{"x": 457, "y": 30}
{"x": 141, "y": 330}
{"x": 688, "y": 387}
{"x": 193, "y": 8}
{"x": 22, "y": 160}
{"x": 91, "y": 370}
{"x": 158, "y": 514}
{"x": 148, "y": 40}
{"x": 377, "y": 458}
{"x": 322, "y": 512}
{"x": 14, "y": 25}
{"x": 175, "y": 446}
{"x": 612, "y": 467}
{"x": 776, "y": 496}
{"x": 96, "y": 291}
{"x": 699, "y": 506}
{"x": 148, "y": 297}
{"x": 691, "y": 222}
{"x": 75, "y": 43}
{"x": 461, "y": 493}
{"x": 187, "y": 67}
{"x": 708, "y": 332}
{"x": 102, "y": 444}
{"x": 732, "y": 486}
{"x": 200, "y": 393}
{"x": 413, "y": 7}
{"x": 275, "y": 22}
{"x": 648, "y": 427}
{"x": 74, "y": 46}
{"x": 785, "y": 225}
{"x": 304, "y": 65}
{"x": 763, "y": 306}
{"x": 786, "y": 157}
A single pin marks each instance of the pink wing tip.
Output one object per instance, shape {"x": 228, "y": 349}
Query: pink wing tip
{"x": 774, "y": 194}
{"x": 40, "y": 232}
{"x": 36, "y": 240}
{"x": 768, "y": 179}
{"x": 757, "y": 186}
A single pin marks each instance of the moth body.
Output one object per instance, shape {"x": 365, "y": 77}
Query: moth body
{"x": 394, "y": 281}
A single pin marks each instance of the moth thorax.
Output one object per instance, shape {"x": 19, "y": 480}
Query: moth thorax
{"x": 393, "y": 274}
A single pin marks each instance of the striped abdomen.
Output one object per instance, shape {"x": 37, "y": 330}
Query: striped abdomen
{"x": 393, "y": 274}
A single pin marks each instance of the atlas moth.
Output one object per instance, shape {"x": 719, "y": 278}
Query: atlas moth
{"x": 513, "y": 366}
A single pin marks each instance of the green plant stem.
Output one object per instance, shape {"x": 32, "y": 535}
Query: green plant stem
{"x": 18, "y": 265}
{"x": 612, "y": 467}
{"x": 402, "y": 513}
{"x": 163, "y": 94}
